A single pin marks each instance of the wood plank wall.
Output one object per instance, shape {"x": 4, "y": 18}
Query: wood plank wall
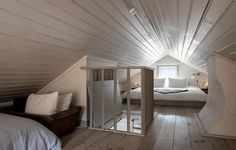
{"x": 147, "y": 97}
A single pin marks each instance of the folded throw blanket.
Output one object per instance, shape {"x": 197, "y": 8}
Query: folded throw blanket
{"x": 169, "y": 91}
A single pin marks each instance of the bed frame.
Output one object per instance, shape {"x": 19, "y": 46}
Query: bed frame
{"x": 178, "y": 103}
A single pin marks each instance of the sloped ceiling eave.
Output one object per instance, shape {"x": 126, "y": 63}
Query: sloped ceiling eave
{"x": 41, "y": 39}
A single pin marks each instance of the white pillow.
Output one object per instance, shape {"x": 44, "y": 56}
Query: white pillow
{"x": 64, "y": 102}
{"x": 159, "y": 82}
{"x": 177, "y": 83}
{"x": 42, "y": 104}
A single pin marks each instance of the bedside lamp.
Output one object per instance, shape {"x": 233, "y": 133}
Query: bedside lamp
{"x": 137, "y": 84}
{"x": 204, "y": 85}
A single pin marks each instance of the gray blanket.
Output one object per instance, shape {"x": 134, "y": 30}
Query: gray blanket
{"x": 17, "y": 133}
{"x": 170, "y": 90}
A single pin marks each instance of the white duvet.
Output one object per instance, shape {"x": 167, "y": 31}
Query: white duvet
{"x": 193, "y": 94}
{"x": 17, "y": 133}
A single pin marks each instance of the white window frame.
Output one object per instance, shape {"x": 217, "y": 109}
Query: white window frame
{"x": 177, "y": 69}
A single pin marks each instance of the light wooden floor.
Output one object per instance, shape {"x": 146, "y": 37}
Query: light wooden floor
{"x": 174, "y": 128}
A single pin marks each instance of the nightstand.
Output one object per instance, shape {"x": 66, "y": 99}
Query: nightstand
{"x": 205, "y": 90}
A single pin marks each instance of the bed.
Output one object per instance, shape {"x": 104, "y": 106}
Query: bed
{"x": 21, "y": 133}
{"x": 194, "y": 96}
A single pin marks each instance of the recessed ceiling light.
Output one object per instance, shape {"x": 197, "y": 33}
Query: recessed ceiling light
{"x": 132, "y": 11}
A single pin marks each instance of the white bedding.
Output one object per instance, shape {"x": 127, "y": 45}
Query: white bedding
{"x": 17, "y": 133}
{"x": 193, "y": 94}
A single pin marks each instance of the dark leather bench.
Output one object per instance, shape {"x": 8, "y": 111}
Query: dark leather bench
{"x": 60, "y": 123}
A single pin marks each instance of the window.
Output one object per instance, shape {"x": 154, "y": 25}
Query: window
{"x": 167, "y": 71}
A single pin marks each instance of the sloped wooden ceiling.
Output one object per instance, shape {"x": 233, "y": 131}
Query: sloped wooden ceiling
{"x": 39, "y": 39}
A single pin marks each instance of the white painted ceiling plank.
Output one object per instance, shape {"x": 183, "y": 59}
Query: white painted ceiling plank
{"x": 44, "y": 38}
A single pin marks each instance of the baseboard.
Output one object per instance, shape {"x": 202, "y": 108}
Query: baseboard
{"x": 204, "y": 133}
{"x": 83, "y": 124}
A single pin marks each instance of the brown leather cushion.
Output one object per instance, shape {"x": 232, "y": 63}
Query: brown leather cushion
{"x": 19, "y": 104}
{"x": 60, "y": 123}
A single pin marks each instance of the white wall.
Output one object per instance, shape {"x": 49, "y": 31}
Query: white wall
{"x": 95, "y": 61}
{"x": 72, "y": 80}
{"x": 75, "y": 80}
{"x": 218, "y": 116}
{"x": 184, "y": 71}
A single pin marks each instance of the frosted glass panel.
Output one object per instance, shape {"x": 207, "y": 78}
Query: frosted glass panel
{"x": 111, "y": 104}
{"x": 108, "y": 103}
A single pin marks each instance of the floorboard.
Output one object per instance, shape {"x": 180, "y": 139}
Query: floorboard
{"x": 174, "y": 128}
{"x": 181, "y": 135}
{"x": 153, "y": 131}
{"x": 198, "y": 142}
{"x": 166, "y": 135}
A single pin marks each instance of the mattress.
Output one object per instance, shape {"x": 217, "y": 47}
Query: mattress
{"x": 193, "y": 94}
{"x": 21, "y": 134}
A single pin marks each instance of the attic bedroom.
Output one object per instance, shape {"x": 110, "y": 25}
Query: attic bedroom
{"x": 117, "y": 74}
